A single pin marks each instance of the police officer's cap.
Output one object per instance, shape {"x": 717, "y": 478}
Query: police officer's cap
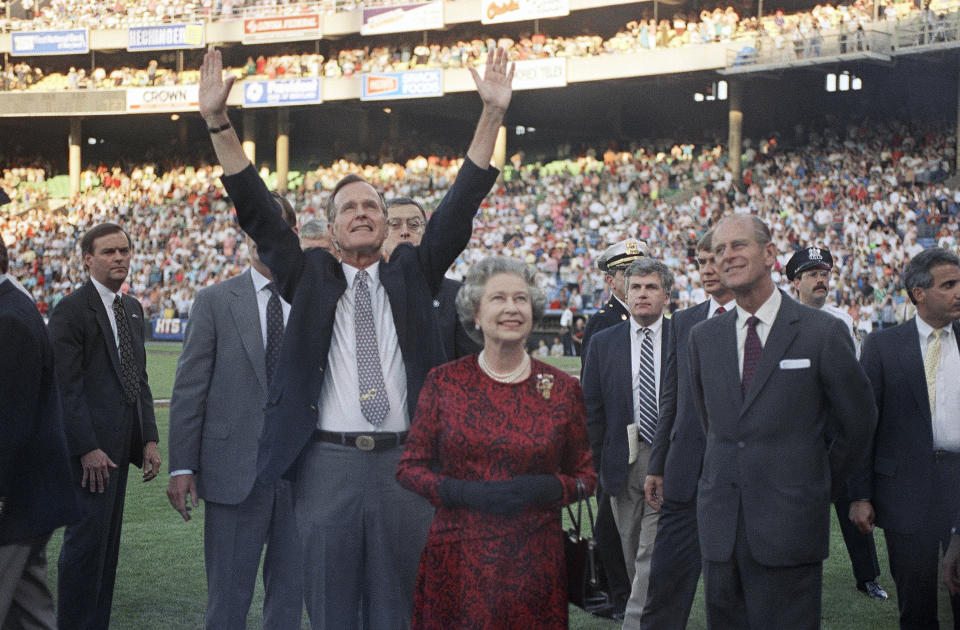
{"x": 619, "y": 256}
{"x": 808, "y": 258}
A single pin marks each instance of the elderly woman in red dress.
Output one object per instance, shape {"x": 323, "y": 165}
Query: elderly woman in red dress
{"x": 497, "y": 444}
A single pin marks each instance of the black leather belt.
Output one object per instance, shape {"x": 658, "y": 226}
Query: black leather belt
{"x": 363, "y": 441}
{"x": 940, "y": 455}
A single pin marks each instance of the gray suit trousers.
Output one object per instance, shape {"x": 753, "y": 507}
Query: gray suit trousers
{"x": 361, "y": 537}
{"x": 233, "y": 539}
{"x": 25, "y": 599}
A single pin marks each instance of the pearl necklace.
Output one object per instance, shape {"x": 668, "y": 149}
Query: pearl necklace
{"x": 509, "y": 377}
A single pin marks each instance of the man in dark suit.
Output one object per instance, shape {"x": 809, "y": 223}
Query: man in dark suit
{"x": 908, "y": 483}
{"x": 361, "y": 337}
{"x": 622, "y": 390}
{"x": 771, "y": 380}
{"x": 406, "y": 222}
{"x": 675, "y": 460}
{"x": 612, "y": 262}
{"x": 36, "y": 490}
{"x": 216, "y": 418}
{"x": 108, "y": 416}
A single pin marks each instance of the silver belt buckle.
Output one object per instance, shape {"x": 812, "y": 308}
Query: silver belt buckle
{"x": 365, "y": 442}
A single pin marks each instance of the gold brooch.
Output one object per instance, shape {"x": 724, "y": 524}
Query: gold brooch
{"x": 544, "y": 385}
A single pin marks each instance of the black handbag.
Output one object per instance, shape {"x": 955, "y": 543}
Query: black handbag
{"x": 583, "y": 579}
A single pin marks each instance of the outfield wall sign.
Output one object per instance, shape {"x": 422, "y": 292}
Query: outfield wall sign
{"x": 496, "y": 11}
{"x": 283, "y": 28}
{"x": 50, "y": 42}
{"x": 535, "y": 74}
{"x": 168, "y": 98}
{"x": 169, "y": 328}
{"x": 303, "y": 91}
{"x": 402, "y": 18}
{"x": 396, "y": 85}
{"x": 165, "y": 37}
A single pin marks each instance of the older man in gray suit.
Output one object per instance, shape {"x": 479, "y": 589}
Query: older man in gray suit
{"x": 771, "y": 380}
{"x": 216, "y": 416}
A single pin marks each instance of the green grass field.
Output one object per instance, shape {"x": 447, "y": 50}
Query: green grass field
{"x": 161, "y": 583}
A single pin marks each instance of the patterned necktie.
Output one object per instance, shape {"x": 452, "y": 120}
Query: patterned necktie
{"x": 373, "y": 394}
{"x": 129, "y": 375}
{"x": 931, "y": 363}
{"x": 751, "y": 354}
{"x": 274, "y": 331}
{"x": 720, "y": 311}
{"x": 647, "y": 408}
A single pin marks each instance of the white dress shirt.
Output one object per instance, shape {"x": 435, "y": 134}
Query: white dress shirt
{"x": 946, "y": 412}
{"x": 636, "y": 339}
{"x": 714, "y": 305}
{"x": 260, "y": 283}
{"x": 340, "y": 394}
{"x": 766, "y": 314}
{"x": 108, "y": 297}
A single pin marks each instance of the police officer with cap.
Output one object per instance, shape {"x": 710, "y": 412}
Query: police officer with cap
{"x": 809, "y": 270}
{"x": 612, "y": 262}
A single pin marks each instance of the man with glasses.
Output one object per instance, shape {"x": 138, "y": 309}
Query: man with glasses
{"x": 809, "y": 270}
{"x": 406, "y": 221}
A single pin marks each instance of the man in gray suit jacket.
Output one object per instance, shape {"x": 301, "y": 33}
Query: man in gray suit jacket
{"x": 771, "y": 379}
{"x": 216, "y": 417}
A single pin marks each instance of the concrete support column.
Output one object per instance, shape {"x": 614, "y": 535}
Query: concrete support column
{"x": 74, "y": 143}
{"x": 499, "y": 149}
{"x": 250, "y": 135}
{"x": 735, "y": 138}
{"x": 283, "y": 148}
{"x": 182, "y": 129}
{"x": 956, "y": 168}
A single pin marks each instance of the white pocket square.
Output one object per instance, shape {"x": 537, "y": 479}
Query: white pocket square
{"x": 794, "y": 364}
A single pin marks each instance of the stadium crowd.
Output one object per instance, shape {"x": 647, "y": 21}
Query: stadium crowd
{"x": 801, "y": 32}
{"x": 872, "y": 193}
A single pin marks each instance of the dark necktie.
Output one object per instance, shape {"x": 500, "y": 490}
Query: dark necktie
{"x": 274, "y": 331}
{"x": 129, "y": 375}
{"x": 373, "y": 393}
{"x": 720, "y": 311}
{"x": 751, "y": 353}
{"x": 647, "y": 422}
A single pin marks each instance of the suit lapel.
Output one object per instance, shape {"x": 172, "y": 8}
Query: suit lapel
{"x": 246, "y": 316}
{"x": 908, "y": 353}
{"x": 782, "y": 333}
{"x": 95, "y": 303}
{"x": 392, "y": 280}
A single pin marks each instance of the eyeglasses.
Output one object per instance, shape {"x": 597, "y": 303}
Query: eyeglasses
{"x": 415, "y": 224}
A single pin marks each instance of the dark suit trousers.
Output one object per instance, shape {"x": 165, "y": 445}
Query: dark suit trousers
{"x": 860, "y": 547}
{"x": 675, "y": 568}
{"x": 915, "y": 557}
{"x": 743, "y": 594}
{"x": 611, "y": 553}
{"x": 88, "y": 558}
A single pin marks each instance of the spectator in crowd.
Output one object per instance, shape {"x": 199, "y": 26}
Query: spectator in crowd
{"x": 318, "y": 423}
{"x": 407, "y": 223}
{"x": 622, "y": 427}
{"x": 36, "y": 489}
{"x": 229, "y": 357}
{"x": 314, "y": 233}
{"x": 908, "y": 483}
{"x": 764, "y": 489}
{"x": 495, "y": 549}
{"x": 676, "y": 457}
{"x": 108, "y": 416}
{"x": 809, "y": 270}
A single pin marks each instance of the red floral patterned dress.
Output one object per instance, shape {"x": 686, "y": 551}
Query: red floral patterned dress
{"x": 482, "y": 570}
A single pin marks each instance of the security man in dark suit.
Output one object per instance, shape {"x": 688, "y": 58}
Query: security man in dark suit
{"x": 36, "y": 494}
{"x": 406, "y": 222}
{"x": 612, "y": 262}
{"x": 108, "y": 416}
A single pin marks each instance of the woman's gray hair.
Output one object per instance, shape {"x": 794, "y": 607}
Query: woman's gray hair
{"x": 468, "y": 298}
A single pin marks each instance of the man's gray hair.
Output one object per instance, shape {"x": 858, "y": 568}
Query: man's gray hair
{"x": 646, "y": 266}
{"x": 314, "y": 228}
{"x": 468, "y": 298}
{"x": 917, "y": 274}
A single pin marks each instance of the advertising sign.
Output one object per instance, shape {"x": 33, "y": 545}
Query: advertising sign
{"x": 401, "y": 18}
{"x": 282, "y": 92}
{"x": 495, "y": 11}
{"x": 168, "y": 98}
{"x": 394, "y": 85}
{"x": 169, "y": 329}
{"x": 165, "y": 37}
{"x": 534, "y": 74}
{"x": 282, "y": 28}
{"x": 49, "y": 42}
